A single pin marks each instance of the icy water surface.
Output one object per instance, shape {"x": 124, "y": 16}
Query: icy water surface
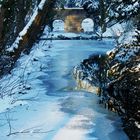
{"x": 62, "y": 113}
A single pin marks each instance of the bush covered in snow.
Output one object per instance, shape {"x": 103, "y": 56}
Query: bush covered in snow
{"x": 121, "y": 70}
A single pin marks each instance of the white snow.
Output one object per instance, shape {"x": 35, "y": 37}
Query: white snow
{"x": 128, "y": 37}
{"x": 88, "y": 25}
{"x": 41, "y": 4}
{"x": 58, "y": 25}
{"x": 6, "y": 103}
{"x": 137, "y": 124}
{"x": 138, "y": 66}
{"x": 115, "y": 31}
{"x": 15, "y": 45}
{"x": 69, "y": 132}
{"x": 56, "y": 34}
{"x": 131, "y": 7}
{"x": 21, "y": 78}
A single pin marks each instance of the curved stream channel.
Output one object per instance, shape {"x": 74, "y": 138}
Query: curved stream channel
{"x": 60, "y": 112}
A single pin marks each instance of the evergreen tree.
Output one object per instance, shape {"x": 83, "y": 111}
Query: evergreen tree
{"x": 71, "y": 3}
{"x": 102, "y": 7}
{"x": 15, "y": 12}
{"x": 60, "y": 4}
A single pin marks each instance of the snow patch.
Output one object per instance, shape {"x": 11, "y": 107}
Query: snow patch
{"x": 58, "y": 25}
{"x": 6, "y": 103}
{"x": 115, "y": 31}
{"x": 88, "y": 25}
{"x": 70, "y": 132}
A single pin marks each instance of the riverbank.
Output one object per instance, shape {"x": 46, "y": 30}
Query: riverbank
{"x": 61, "y": 35}
{"x": 119, "y": 94}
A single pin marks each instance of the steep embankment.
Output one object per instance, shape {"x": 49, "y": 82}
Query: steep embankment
{"x": 123, "y": 86}
{"x": 117, "y": 76}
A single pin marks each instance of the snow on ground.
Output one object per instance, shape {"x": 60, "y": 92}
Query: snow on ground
{"x": 45, "y": 112}
{"x": 19, "y": 81}
{"x": 69, "y": 131}
{"x": 58, "y": 25}
{"x": 60, "y": 34}
{"x": 88, "y": 25}
{"x": 71, "y": 35}
{"x": 123, "y": 32}
{"x": 115, "y": 30}
{"x": 6, "y": 103}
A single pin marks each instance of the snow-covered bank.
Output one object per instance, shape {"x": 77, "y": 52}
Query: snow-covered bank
{"x": 124, "y": 78}
{"x": 118, "y": 77}
{"x": 84, "y": 83}
{"x": 115, "y": 31}
{"x": 17, "y": 85}
{"x": 61, "y": 35}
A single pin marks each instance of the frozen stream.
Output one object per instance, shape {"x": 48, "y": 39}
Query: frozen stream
{"x": 59, "y": 112}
